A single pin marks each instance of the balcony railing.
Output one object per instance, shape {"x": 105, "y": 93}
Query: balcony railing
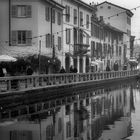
{"x": 80, "y": 49}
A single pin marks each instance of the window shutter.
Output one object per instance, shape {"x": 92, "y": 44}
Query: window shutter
{"x": 47, "y": 13}
{"x": 59, "y": 18}
{"x": 29, "y": 11}
{"x": 29, "y": 38}
{"x": 14, "y": 38}
{"x": 67, "y": 36}
{"x": 59, "y": 43}
{"x": 14, "y": 11}
{"x": 53, "y": 16}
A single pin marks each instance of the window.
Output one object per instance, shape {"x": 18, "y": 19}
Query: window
{"x": 53, "y": 16}
{"x": 68, "y": 36}
{"x": 59, "y": 125}
{"x": 21, "y": 11}
{"x": 81, "y": 18}
{"x": 47, "y": 13}
{"x": 59, "y": 43}
{"x": 128, "y": 32}
{"x": 21, "y": 38}
{"x": 101, "y": 7}
{"x": 87, "y": 23}
{"x": 48, "y": 40}
{"x": 75, "y": 16}
{"x": 68, "y": 129}
{"x": 49, "y": 132}
{"x": 128, "y": 20}
{"x": 109, "y": 7}
{"x": 67, "y": 13}
{"x": 59, "y": 18}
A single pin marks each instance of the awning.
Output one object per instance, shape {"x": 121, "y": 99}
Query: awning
{"x": 133, "y": 62}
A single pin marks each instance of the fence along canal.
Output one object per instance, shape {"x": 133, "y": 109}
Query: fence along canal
{"x": 22, "y": 83}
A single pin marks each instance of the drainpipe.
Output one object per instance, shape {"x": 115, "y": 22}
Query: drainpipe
{"x": 9, "y": 22}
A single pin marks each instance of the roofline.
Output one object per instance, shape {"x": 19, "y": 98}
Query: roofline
{"x": 131, "y": 14}
{"x": 113, "y": 28}
{"x": 55, "y": 4}
{"x": 90, "y": 7}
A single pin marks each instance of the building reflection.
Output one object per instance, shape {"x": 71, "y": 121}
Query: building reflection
{"x": 101, "y": 114}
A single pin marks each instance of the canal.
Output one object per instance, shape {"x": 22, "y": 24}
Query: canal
{"x": 104, "y": 113}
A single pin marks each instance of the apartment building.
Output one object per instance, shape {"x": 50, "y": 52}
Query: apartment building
{"x": 31, "y": 28}
{"x": 106, "y": 45}
{"x": 76, "y": 35}
{"x": 118, "y": 17}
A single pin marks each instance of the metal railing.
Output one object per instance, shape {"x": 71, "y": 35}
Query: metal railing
{"x": 19, "y": 83}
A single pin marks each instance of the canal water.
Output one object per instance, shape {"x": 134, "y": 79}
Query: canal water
{"x": 105, "y": 113}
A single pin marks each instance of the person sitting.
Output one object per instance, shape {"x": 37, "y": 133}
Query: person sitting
{"x": 62, "y": 70}
{"x": 75, "y": 70}
{"x": 29, "y": 70}
{"x": 1, "y": 72}
{"x": 71, "y": 69}
{"x": 107, "y": 68}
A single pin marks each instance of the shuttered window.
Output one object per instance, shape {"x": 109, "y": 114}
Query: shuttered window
{"x": 53, "y": 16}
{"x": 68, "y": 129}
{"x": 48, "y": 40}
{"x": 21, "y": 11}
{"x": 67, "y": 13}
{"x": 59, "y": 18}
{"x": 59, "y": 43}
{"x": 87, "y": 21}
{"x": 81, "y": 18}
{"x": 75, "y": 16}
{"x": 47, "y": 13}
{"x": 21, "y": 38}
{"x": 68, "y": 36}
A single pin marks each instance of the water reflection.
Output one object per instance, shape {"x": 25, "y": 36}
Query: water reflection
{"x": 110, "y": 113}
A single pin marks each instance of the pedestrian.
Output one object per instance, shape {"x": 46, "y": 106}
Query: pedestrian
{"x": 75, "y": 70}
{"x": 29, "y": 70}
{"x": 71, "y": 69}
{"x": 62, "y": 70}
{"x": 107, "y": 68}
{"x": 1, "y": 72}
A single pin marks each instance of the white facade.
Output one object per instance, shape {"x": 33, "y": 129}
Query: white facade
{"x": 36, "y": 23}
{"x": 85, "y": 9}
{"x": 118, "y": 17}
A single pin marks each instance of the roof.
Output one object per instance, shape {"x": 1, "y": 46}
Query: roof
{"x": 54, "y": 3}
{"x": 129, "y": 11}
{"x": 113, "y": 28}
{"x": 90, "y": 7}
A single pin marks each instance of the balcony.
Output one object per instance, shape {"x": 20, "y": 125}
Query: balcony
{"x": 80, "y": 49}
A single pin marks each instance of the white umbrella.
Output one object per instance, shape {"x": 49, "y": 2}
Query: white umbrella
{"x": 7, "y": 58}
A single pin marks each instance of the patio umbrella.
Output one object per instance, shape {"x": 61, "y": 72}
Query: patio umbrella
{"x": 7, "y": 58}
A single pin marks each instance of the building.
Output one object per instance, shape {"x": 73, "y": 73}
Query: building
{"x": 118, "y": 17}
{"x": 106, "y": 45}
{"x": 31, "y": 28}
{"x": 76, "y": 35}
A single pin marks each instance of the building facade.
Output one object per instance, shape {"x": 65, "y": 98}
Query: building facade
{"x": 31, "y": 28}
{"x": 76, "y": 35}
{"x": 118, "y": 17}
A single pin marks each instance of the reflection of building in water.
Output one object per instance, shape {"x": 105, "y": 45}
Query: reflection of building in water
{"x": 100, "y": 114}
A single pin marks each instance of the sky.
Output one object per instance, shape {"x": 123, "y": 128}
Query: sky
{"x": 129, "y": 4}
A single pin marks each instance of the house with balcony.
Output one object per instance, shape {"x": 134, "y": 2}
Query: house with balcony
{"x": 31, "y": 28}
{"x": 76, "y": 35}
{"x": 118, "y": 17}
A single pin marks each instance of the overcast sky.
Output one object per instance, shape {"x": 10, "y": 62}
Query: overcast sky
{"x": 129, "y": 4}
